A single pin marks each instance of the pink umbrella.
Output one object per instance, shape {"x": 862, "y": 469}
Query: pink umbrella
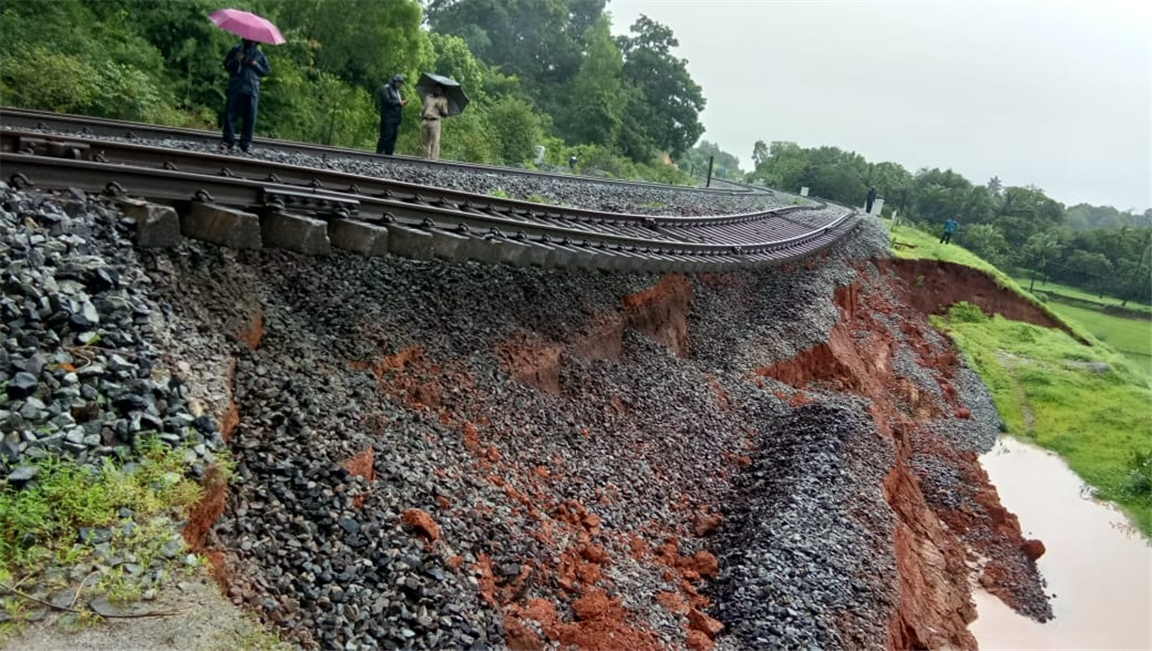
{"x": 247, "y": 25}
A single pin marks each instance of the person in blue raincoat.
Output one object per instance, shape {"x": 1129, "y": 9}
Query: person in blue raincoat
{"x": 950, "y": 227}
{"x": 246, "y": 65}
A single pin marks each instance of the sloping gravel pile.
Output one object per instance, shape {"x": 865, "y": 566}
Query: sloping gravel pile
{"x": 403, "y": 357}
{"x": 357, "y": 575}
{"x": 793, "y": 575}
{"x": 81, "y": 378}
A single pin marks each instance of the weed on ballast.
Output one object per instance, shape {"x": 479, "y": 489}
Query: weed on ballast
{"x": 110, "y": 530}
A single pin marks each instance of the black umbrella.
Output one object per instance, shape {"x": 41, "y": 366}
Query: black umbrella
{"x": 457, "y": 100}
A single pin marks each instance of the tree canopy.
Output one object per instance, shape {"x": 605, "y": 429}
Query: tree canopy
{"x": 537, "y": 71}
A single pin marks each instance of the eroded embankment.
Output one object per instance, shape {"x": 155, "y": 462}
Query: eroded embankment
{"x": 935, "y": 285}
{"x": 440, "y": 456}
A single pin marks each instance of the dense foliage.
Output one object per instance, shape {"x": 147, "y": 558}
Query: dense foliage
{"x": 1099, "y": 249}
{"x": 538, "y": 71}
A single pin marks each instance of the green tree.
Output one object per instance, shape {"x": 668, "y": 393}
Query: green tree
{"x": 595, "y": 107}
{"x": 665, "y": 109}
{"x": 759, "y": 154}
{"x": 986, "y": 241}
{"x": 696, "y": 160}
{"x": 1137, "y": 283}
{"x": 994, "y": 185}
{"x": 1039, "y": 251}
{"x": 516, "y": 128}
{"x": 363, "y": 42}
{"x": 1025, "y": 211}
{"x": 539, "y": 41}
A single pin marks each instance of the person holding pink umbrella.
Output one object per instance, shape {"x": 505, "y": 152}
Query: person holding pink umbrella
{"x": 246, "y": 65}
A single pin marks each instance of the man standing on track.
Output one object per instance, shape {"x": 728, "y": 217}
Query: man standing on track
{"x": 391, "y": 112}
{"x": 435, "y": 110}
{"x": 246, "y": 64}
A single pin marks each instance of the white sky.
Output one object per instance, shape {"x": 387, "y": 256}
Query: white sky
{"x": 1052, "y": 94}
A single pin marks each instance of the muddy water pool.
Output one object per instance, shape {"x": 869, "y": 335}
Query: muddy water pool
{"x": 1099, "y": 567}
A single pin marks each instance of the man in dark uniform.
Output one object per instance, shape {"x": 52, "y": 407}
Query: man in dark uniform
{"x": 871, "y": 200}
{"x": 246, "y": 64}
{"x": 391, "y": 111}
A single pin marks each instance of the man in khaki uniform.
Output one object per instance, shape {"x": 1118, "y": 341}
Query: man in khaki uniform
{"x": 435, "y": 109}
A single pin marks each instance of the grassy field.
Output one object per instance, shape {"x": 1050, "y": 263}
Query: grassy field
{"x": 1090, "y": 404}
{"x": 1080, "y": 294}
{"x": 1132, "y": 337}
{"x": 1084, "y": 403}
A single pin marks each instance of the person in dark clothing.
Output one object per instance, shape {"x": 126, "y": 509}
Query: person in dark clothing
{"x": 871, "y": 200}
{"x": 391, "y": 112}
{"x": 246, "y": 65}
{"x": 950, "y": 227}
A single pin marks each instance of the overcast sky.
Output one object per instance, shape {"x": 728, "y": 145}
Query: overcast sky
{"x": 1052, "y": 94}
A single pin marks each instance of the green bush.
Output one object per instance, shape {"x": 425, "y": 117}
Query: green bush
{"x": 58, "y": 82}
{"x": 965, "y": 312}
{"x": 516, "y": 128}
{"x": 42, "y": 520}
{"x": 1138, "y": 483}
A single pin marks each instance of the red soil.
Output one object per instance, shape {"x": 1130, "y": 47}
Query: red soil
{"x": 935, "y": 285}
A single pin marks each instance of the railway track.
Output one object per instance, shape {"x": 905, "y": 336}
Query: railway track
{"x": 421, "y": 221}
{"x": 84, "y": 126}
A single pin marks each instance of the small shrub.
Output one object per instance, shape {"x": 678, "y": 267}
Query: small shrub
{"x": 965, "y": 312}
{"x": 1138, "y": 482}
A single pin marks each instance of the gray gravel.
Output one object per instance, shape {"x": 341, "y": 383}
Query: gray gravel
{"x": 82, "y": 378}
{"x": 319, "y": 564}
{"x": 326, "y": 556}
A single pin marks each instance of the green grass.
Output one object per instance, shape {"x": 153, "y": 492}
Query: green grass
{"x": 39, "y": 524}
{"x": 913, "y": 244}
{"x": 1097, "y": 418}
{"x": 1080, "y": 294}
{"x": 1132, "y": 337}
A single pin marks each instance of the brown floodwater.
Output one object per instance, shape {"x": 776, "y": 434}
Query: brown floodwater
{"x": 1097, "y": 565}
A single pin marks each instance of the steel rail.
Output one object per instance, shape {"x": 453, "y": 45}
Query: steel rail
{"x": 47, "y": 120}
{"x": 173, "y": 185}
{"x": 135, "y": 154}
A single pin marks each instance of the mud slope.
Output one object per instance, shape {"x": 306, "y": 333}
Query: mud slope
{"x": 935, "y": 285}
{"x": 464, "y": 456}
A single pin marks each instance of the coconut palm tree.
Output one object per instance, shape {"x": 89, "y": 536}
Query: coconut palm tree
{"x": 1041, "y": 248}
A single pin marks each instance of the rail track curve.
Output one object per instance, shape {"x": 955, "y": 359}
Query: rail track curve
{"x": 415, "y": 220}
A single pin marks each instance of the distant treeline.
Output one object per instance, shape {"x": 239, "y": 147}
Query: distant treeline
{"x": 1099, "y": 249}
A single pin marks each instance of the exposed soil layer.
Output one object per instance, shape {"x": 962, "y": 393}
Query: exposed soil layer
{"x": 935, "y": 285}
{"x": 544, "y": 460}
